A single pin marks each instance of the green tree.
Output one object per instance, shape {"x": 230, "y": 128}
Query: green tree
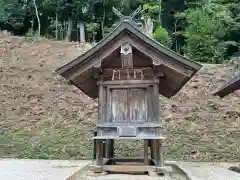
{"x": 206, "y": 28}
{"x": 233, "y": 34}
{"x": 54, "y": 7}
{"x": 12, "y": 15}
{"x": 161, "y": 35}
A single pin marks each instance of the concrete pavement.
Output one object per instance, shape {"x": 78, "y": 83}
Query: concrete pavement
{"x": 18, "y": 169}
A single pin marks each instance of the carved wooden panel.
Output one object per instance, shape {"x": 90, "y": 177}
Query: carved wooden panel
{"x": 126, "y": 55}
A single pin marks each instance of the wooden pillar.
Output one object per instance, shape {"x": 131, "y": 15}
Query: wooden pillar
{"x": 94, "y": 145}
{"x": 99, "y": 147}
{"x": 104, "y": 148}
{"x": 161, "y": 153}
{"x": 157, "y": 152}
{"x": 151, "y": 148}
{"x": 154, "y": 149}
{"x": 111, "y": 148}
{"x": 81, "y": 32}
{"x": 108, "y": 148}
{"x": 145, "y": 152}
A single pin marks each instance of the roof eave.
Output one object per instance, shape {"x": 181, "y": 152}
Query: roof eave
{"x": 228, "y": 89}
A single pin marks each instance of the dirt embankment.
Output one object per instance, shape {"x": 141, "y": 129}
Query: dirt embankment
{"x": 42, "y": 116}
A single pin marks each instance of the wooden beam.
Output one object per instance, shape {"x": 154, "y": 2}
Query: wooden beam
{"x": 104, "y": 54}
{"x": 157, "y": 58}
{"x": 152, "y": 125}
{"x": 128, "y": 168}
{"x": 129, "y": 138}
{"x": 122, "y": 82}
{"x": 128, "y": 159}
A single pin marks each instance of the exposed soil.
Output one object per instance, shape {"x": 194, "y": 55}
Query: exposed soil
{"x": 42, "y": 116}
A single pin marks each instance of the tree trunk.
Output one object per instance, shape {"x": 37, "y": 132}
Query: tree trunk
{"x": 93, "y": 37}
{"x": 148, "y": 26}
{"x": 56, "y": 27}
{"x": 160, "y": 12}
{"x": 102, "y": 28}
{"x": 103, "y": 20}
{"x": 61, "y": 31}
{"x": 69, "y": 30}
{"x": 32, "y": 22}
{"x": 81, "y": 31}
{"x": 38, "y": 19}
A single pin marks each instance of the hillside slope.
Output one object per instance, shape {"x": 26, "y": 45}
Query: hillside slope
{"x": 42, "y": 116}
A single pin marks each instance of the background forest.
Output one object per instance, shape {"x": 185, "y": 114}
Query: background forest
{"x": 203, "y": 30}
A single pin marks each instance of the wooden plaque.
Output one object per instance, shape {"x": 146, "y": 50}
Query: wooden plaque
{"x": 127, "y": 131}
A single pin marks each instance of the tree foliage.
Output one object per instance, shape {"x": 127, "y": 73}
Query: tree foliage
{"x": 12, "y": 15}
{"x": 203, "y": 30}
{"x": 161, "y": 35}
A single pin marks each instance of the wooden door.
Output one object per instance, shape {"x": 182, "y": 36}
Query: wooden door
{"x": 128, "y": 105}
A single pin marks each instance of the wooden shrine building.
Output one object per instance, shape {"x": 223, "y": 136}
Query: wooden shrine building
{"x": 127, "y": 71}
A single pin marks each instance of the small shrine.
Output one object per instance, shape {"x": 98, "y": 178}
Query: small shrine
{"x": 127, "y": 71}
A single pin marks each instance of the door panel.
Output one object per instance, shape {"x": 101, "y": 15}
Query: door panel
{"x": 128, "y": 105}
{"x": 137, "y": 104}
{"x": 119, "y": 105}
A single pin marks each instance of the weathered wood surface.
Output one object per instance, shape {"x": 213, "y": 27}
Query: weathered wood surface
{"x": 207, "y": 171}
{"x": 128, "y": 74}
{"x": 148, "y": 125}
{"x": 129, "y": 138}
{"x": 137, "y": 105}
{"x": 128, "y": 168}
{"x": 119, "y": 106}
{"x": 131, "y": 82}
{"x": 126, "y": 55}
{"x": 128, "y": 105}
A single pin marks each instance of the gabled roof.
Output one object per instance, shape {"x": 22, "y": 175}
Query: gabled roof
{"x": 80, "y": 71}
{"x": 229, "y": 87}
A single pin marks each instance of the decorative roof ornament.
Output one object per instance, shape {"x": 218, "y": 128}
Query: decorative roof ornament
{"x": 128, "y": 18}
